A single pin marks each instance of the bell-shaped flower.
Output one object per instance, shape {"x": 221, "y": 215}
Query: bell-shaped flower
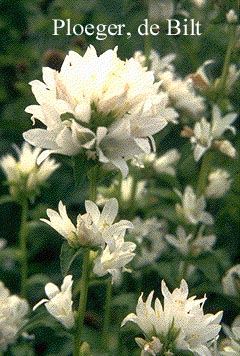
{"x": 24, "y": 175}
{"x": 193, "y": 208}
{"x": 114, "y": 257}
{"x": 206, "y": 135}
{"x": 94, "y": 228}
{"x": 179, "y": 323}
{"x": 59, "y": 304}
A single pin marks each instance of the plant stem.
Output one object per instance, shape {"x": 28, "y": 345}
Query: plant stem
{"x": 227, "y": 60}
{"x": 106, "y": 323}
{"x": 203, "y": 174}
{"x": 85, "y": 272}
{"x": 23, "y": 247}
{"x": 82, "y": 302}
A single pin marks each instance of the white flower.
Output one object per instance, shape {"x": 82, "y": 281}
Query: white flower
{"x": 202, "y": 139}
{"x": 199, "y": 3}
{"x": 221, "y": 124}
{"x": 151, "y": 348}
{"x": 114, "y": 257}
{"x": 230, "y": 281}
{"x": 188, "y": 244}
{"x": 59, "y": 304}
{"x": 233, "y": 76}
{"x": 101, "y": 104}
{"x": 13, "y": 311}
{"x": 3, "y": 243}
{"x": 219, "y": 183}
{"x": 165, "y": 163}
{"x": 193, "y": 208}
{"x": 231, "y": 16}
{"x": 149, "y": 235}
{"x": 180, "y": 322}
{"x": 92, "y": 229}
{"x": 180, "y": 91}
{"x": 205, "y": 134}
{"x": 24, "y": 175}
{"x": 232, "y": 343}
{"x": 226, "y": 148}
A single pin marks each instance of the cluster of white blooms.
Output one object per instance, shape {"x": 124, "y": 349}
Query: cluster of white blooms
{"x": 189, "y": 244}
{"x": 230, "y": 281}
{"x": 59, "y": 304}
{"x": 103, "y": 105}
{"x": 13, "y": 312}
{"x": 219, "y": 183}
{"x": 193, "y": 208}
{"x": 232, "y": 343}
{"x": 181, "y": 91}
{"x": 97, "y": 229}
{"x": 205, "y": 135}
{"x": 149, "y": 235}
{"x": 24, "y": 176}
{"x": 178, "y": 325}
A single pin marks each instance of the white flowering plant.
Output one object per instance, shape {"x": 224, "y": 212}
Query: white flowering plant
{"x": 119, "y": 195}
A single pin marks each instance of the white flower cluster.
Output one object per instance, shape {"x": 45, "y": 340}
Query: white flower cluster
{"x": 13, "y": 313}
{"x": 59, "y": 304}
{"x": 179, "y": 324}
{"x": 181, "y": 91}
{"x": 24, "y": 176}
{"x": 97, "y": 229}
{"x": 205, "y": 135}
{"x": 189, "y": 244}
{"x": 149, "y": 235}
{"x": 108, "y": 107}
{"x": 193, "y": 208}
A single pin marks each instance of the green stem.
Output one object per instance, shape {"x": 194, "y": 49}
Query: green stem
{"x": 93, "y": 174}
{"x": 23, "y": 247}
{"x": 203, "y": 174}
{"x": 85, "y": 272}
{"x": 106, "y": 323}
{"x": 227, "y": 60}
{"x": 82, "y": 302}
{"x": 183, "y": 269}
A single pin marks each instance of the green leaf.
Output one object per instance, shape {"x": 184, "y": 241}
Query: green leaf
{"x": 67, "y": 256}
